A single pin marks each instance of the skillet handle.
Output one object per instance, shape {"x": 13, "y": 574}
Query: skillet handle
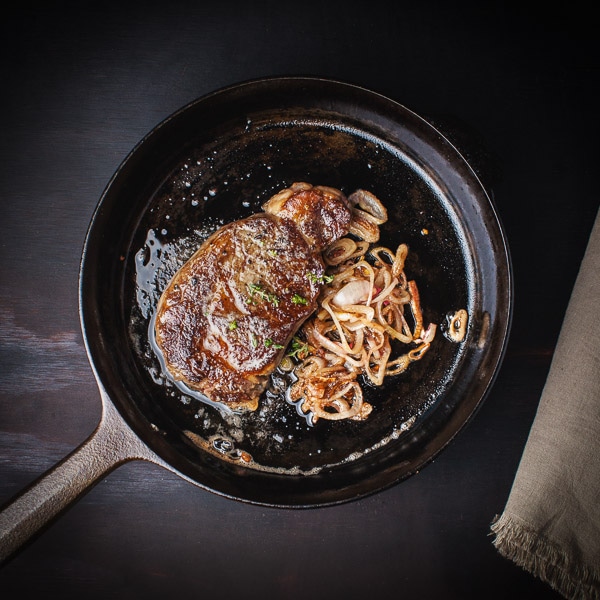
{"x": 112, "y": 444}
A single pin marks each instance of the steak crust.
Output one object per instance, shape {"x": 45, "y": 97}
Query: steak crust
{"x": 227, "y": 315}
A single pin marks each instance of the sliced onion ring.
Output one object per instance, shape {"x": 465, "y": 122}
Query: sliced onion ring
{"x": 364, "y": 226}
{"x": 371, "y": 204}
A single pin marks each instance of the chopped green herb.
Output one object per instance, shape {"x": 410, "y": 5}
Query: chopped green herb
{"x": 256, "y": 289}
{"x": 253, "y": 341}
{"x": 272, "y": 252}
{"x": 269, "y": 343}
{"x": 298, "y": 348}
{"x": 314, "y": 278}
{"x": 232, "y": 325}
{"x": 298, "y": 299}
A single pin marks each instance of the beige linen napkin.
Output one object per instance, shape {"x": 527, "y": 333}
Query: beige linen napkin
{"x": 551, "y": 523}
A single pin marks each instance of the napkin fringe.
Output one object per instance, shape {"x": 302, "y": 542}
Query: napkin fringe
{"x": 526, "y": 548}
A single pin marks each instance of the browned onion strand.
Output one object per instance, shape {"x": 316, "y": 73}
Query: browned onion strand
{"x": 368, "y": 304}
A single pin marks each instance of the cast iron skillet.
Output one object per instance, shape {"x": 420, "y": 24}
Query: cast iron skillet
{"x": 217, "y": 160}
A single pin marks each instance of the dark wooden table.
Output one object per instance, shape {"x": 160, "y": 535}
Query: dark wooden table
{"x": 81, "y": 84}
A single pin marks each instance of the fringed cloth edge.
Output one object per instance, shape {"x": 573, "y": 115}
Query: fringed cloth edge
{"x": 543, "y": 559}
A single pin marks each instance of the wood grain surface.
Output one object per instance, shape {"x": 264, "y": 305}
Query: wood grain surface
{"x": 82, "y": 83}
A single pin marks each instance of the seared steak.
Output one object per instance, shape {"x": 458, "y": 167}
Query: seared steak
{"x": 227, "y": 315}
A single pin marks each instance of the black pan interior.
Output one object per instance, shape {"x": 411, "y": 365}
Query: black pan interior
{"x": 219, "y": 159}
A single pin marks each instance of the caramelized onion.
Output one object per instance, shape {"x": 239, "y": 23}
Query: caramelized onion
{"x": 368, "y": 305}
{"x": 339, "y": 252}
{"x": 364, "y": 226}
{"x": 371, "y": 204}
{"x": 457, "y": 325}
